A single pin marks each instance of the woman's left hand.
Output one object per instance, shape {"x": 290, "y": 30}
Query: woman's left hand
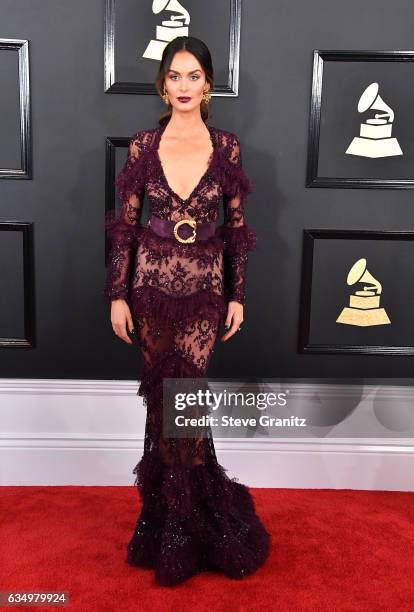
{"x": 234, "y": 319}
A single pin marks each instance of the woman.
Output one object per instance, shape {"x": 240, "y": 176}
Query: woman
{"x": 177, "y": 283}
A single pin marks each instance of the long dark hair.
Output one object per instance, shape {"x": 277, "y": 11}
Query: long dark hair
{"x": 200, "y": 50}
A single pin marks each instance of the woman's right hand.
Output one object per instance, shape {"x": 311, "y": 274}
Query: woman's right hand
{"x": 120, "y": 318}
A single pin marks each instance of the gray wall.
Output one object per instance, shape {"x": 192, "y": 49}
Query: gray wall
{"x": 71, "y": 116}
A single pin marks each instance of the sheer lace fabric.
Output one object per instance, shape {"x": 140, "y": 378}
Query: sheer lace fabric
{"x": 193, "y": 515}
{"x": 216, "y": 267}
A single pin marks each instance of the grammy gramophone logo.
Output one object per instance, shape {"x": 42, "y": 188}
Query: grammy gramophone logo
{"x": 364, "y": 304}
{"x": 176, "y": 25}
{"x": 375, "y": 138}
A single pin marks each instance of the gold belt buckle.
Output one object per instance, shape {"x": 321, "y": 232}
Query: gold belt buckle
{"x": 193, "y": 224}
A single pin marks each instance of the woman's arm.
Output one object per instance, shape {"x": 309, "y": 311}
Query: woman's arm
{"x": 238, "y": 237}
{"x": 123, "y": 226}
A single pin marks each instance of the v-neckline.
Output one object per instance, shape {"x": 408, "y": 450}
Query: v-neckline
{"x": 198, "y": 185}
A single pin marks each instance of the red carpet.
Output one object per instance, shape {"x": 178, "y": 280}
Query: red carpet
{"x": 332, "y": 550}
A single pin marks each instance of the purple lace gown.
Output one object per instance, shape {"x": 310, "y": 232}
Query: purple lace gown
{"x": 193, "y": 516}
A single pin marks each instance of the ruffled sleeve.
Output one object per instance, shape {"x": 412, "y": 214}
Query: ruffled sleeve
{"x": 238, "y": 237}
{"x": 123, "y": 225}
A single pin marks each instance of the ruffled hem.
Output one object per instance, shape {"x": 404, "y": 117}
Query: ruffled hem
{"x": 170, "y": 366}
{"x": 193, "y": 518}
{"x": 123, "y": 240}
{"x": 232, "y": 541}
{"x": 153, "y": 302}
{"x": 237, "y": 239}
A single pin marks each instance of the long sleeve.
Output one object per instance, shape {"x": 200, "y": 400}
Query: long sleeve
{"x": 238, "y": 237}
{"x": 123, "y": 225}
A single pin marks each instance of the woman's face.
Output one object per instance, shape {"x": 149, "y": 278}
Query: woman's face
{"x": 185, "y": 78}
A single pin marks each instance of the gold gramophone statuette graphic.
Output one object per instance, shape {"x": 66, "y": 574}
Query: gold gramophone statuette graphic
{"x": 364, "y": 305}
{"x": 375, "y": 138}
{"x": 176, "y": 25}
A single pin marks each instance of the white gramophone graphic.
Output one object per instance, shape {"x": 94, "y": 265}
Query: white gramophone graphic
{"x": 176, "y": 26}
{"x": 364, "y": 305}
{"x": 374, "y": 138}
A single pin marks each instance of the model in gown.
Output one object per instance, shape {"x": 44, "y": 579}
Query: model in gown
{"x": 193, "y": 517}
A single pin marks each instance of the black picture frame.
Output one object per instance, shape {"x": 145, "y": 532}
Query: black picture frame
{"x": 112, "y": 143}
{"x": 29, "y": 339}
{"x": 21, "y": 47}
{"x": 112, "y": 85}
{"x": 313, "y": 177}
{"x": 115, "y": 146}
{"x": 305, "y": 345}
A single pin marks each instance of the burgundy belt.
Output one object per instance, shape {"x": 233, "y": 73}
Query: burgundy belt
{"x": 185, "y": 230}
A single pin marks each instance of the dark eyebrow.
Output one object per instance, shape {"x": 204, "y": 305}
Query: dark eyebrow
{"x": 189, "y": 72}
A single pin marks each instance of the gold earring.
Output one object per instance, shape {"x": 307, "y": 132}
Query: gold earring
{"x": 206, "y": 97}
{"x": 165, "y": 96}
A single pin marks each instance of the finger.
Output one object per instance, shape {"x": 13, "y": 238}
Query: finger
{"x": 130, "y": 322}
{"x": 121, "y": 333}
{"x": 232, "y": 330}
{"x": 227, "y": 327}
{"x": 229, "y": 317}
{"x": 227, "y": 335}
